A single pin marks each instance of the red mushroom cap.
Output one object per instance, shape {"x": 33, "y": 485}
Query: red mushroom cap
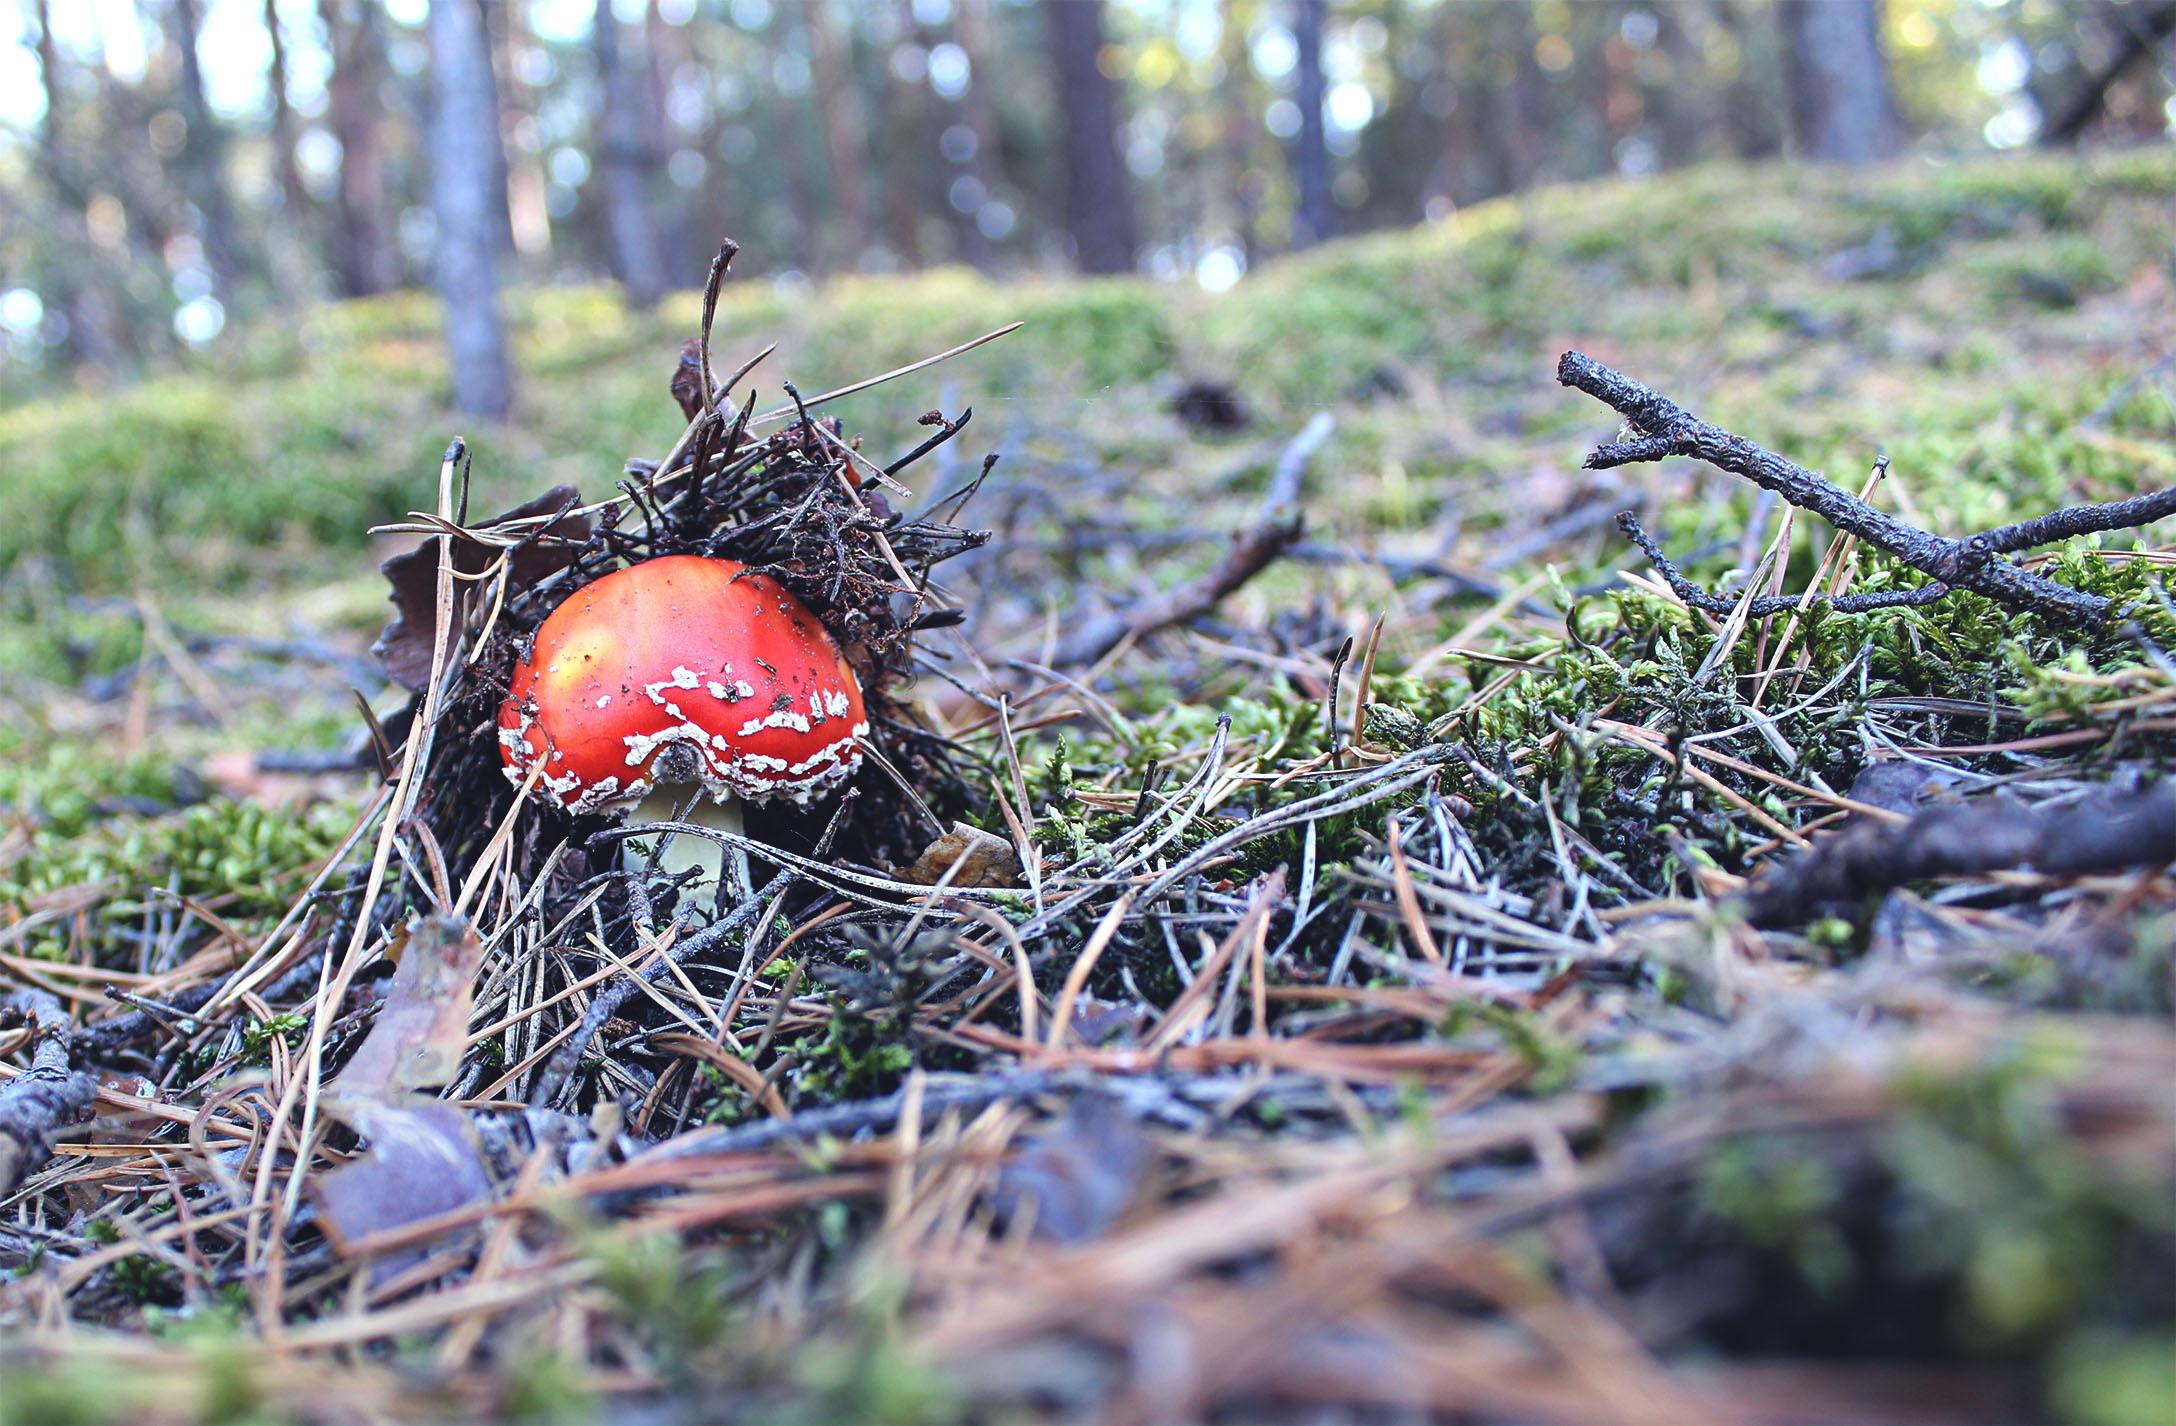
{"x": 683, "y": 669}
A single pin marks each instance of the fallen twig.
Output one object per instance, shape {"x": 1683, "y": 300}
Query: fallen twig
{"x": 1275, "y": 531}
{"x": 1660, "y": 427}
{"x": 2102, "y": 831}
{"x": 44, "y": 1099}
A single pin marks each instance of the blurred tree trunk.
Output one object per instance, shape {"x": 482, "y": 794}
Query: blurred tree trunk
{"x": 1516, "y": 127}
{"x": 367, "y": 260}
{"x": 1098, "y": 209}
{"x": 802, "y": 228}
{"x": 665, "y": 49}
{"x": 293, "y": 197}
{"x": 1315, "y": 216}
{"x": 291, "y": 253}
{"x": 903, "y": 172}
{"x": 1749, "y": 110}
{"x": 1598, "y": 78}
{"x": 95, "y": 331}
{"x": 466, "y": 197}
{"x": 845, "y": 129}
{"x": 1239, "y": 129}
{"x": 203, "y": 154}
{"x": 525, "y": 220}
{"x": 971, "y": 32}
{"x": 1843, "y": 109}
{"x": 638, "y": 258}
{"x": 1690, "y": 112}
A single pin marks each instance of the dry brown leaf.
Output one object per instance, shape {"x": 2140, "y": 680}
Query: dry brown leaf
{"x": 981, "y": 859}
{"x": 405, "y": 646}
{"x": 1079, "y": 1175}
{"x": 423, "y": 1028}
{"x": 423, "y": 1160}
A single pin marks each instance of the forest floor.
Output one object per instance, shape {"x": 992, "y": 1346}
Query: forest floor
{"x": 1396, "y": 989}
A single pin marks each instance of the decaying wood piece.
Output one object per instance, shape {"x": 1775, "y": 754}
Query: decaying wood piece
{"x": 1660, "y": 427}
{"x": 2104, "y": 830}
{"x": 44, "y": 1099}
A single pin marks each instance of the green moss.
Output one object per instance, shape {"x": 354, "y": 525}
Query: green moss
{"x": 870, "y": 1372}
{"x": 1783, "y": 1199}
{"x": 242, "y": 860}
{"x": 2052, "y": 272}
{"x": 2046, "y": 1237}
{"x": 294, "y": 438}
{"x": 544, "y": 1389}
{"x": 64, "y": 787}
{"x": 82, "y": 1393}
{"x": 2115, "y": 1379}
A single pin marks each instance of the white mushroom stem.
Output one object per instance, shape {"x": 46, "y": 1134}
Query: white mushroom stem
{"x": 682, "y": 851}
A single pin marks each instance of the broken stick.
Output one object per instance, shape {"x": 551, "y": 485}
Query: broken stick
{"x": 1660, "y": 427}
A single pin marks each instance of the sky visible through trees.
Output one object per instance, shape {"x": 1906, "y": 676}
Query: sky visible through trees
{"x": 171, "y": 166}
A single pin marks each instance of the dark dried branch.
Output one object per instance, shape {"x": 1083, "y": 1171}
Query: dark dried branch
{"x": 727, "y": 251}
{"x": 856, "y": 1116}
{"x": 2105, "y": 830}
{"x": 45, "y": 1098}
{"x": 2079, "y": 520}
{"x": 1660, "y": 427}
{"x": 1275, "y": 531}
{"x": 2142, "y": 36}
{"x": 568, "y": 1057}
{"x": 1765, "y": 605}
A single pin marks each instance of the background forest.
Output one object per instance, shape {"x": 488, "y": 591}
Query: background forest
{"x": 170, "y": 167}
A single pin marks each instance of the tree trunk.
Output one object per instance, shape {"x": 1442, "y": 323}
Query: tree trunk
{"x": 204, "y": 155}
{"x": 971, "y": 32}
{"x": 1750, "y": 114}
{"x": 1513, "y": 124}
{"x": 838, "y": 112}
{"x": 466, "y": 195}
{"x": 525, "y": 220}
{"x": 1314, "y": 218}
{"x": 293, "y": 197}
{"x": 803, "y": 227}
{"x": 95, "y": 330}
{"x": 368, "y": 262}
{"x": 1690, "y": 111}
{"x": 665, "y": 48}
{"x": 1842, "y": 107}
{"x": 907, "y": 117}
{"x": 1239, "y": 129}
{"x": 1098, "y": 209}
{"x": 638, "y": 258}
{"x": 292, "y": 249}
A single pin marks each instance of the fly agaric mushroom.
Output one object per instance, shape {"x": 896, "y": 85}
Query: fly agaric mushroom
{"x": 681, "y": 672}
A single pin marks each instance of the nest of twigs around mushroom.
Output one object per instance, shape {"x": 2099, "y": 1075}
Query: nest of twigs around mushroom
{"x": 788, "y": 495}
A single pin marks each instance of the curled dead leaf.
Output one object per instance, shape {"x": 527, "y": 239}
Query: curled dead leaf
{"x": 404, "y": 649}
{"x": 971, "y": 856}
{"x": 423, "y": 1027}
{"x": 423, "y": 1159}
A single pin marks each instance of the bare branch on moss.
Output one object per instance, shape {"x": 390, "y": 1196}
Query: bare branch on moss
{"x": 2080, "y": 520}
{"x": 2105, "y": 830}
{"x": 1274, "y": 532}
{"x": 1765, "y": 605}
{"x": 1660, "y": 427}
